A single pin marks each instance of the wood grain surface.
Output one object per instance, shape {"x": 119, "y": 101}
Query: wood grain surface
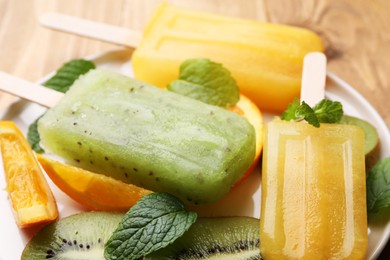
{"x": 356, "y": 34}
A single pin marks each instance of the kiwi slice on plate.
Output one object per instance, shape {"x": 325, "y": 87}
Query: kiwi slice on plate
{"x": 80, "y": 236}
{"x": 372, "y": 148}
{"x": 83, "y": 235}
{"x": 216, "y": 238}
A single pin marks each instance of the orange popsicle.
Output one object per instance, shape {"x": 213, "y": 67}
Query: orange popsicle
{"x": 313, "y": 191}
{"x": 265, "y": 59}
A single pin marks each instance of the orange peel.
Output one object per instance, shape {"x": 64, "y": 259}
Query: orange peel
{"x": 92, "y": 190}
{"x": 248, "y": 109}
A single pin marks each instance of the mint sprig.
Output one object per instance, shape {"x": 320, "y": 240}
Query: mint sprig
{"x": 207, "y": 81}
{"x": 304, "y": 111}
{"x": 326, "y": 111}
{"x": 62, "y": 80}
{"x": 154, "y": 222}
{"x": 378, "y": 186}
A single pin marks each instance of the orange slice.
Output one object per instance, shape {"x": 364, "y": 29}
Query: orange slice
{"x": 30, "y": 196}
{"x": 95, "y": 191}
{"x": 252, "y": 113}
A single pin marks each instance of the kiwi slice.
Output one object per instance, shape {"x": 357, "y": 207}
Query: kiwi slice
{"x": 216, "y": 238}
{"x": 372, "y": 148}
{"x": 80, "y": 236}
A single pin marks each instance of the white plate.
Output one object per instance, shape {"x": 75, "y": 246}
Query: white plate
{"x": 243, "y": 200}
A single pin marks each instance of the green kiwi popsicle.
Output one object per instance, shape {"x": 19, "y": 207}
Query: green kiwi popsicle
{"x": 140, "y": 134}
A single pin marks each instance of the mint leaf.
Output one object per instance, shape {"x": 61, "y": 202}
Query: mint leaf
{"x": 289, "y": 113}
{"x": 326, "y": 111}
{"x": 206, "y": 81}
{"x": 33, "y": 137}
{"x": 305, "y": 112}
{"x": 68, "y": 73}
{"x": 154, "y": 222}
{"x": 61, "y": 81}
{"x": 378, "y": 186}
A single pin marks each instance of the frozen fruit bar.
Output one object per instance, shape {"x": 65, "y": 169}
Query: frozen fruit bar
{"x": 313, "y": 192}
{"x": 140, "y": 134}
{"x": 265, "y": 59}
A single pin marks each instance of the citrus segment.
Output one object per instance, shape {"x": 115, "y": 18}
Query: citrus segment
{"x": 252, "y": 113}
{"x": 30, "y": 196}
{"x": 95, "y": 191}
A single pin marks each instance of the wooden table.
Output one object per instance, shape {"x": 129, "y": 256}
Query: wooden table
{"x": 356, "y": 35}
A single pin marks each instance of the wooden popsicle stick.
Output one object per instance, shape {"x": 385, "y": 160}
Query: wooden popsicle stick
{"x": 313, "y": 78}
{"x": 95, "y": 30}
{"x": 313, "y": 84}
{"x": 29, "y": 91}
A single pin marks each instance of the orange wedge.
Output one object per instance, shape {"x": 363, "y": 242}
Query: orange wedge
{"x": 251, "y": 112}
{"x": 95, "y": 191}
{"x": 30, "y": 196}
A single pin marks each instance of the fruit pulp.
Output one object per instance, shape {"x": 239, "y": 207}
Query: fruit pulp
{"x": 31, "y": 198}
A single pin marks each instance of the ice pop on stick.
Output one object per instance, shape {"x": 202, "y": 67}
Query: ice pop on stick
{"x": 140, "y": 134}
{"x": 313, "y": 190}
{"x": 264, "y": 58}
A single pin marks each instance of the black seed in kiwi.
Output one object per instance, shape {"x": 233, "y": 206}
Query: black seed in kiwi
{"x": 216, "y": 238}
{"x": 80, "y": 236}
{"x": 372, "y": 147}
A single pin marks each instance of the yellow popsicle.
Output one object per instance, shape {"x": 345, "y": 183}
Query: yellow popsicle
{"x": 265, "y": 59}
{"x": 313, "y": 192}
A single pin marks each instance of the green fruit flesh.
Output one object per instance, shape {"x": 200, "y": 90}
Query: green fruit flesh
{"x": 80, "y": 236}
{"x": 156, "y": 139}
{"x": 371, "y": 135}
{"x": 215, "y": 238}
{"x": 372, "y": 147}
